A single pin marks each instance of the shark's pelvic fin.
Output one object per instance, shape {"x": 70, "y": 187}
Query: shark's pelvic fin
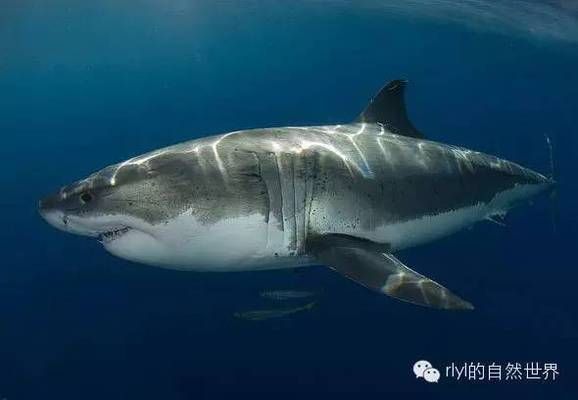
{"x": 388, "y": 108}
{"x": 372, "y": 266}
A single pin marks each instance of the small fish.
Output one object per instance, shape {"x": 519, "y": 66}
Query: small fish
{"x": 286, "y": 294}
{"x": 261, "y": 315}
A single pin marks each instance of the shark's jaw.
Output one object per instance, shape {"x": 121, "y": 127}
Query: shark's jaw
{"x": 123, "y": 236}
{"x": 112, "y": 235}
{"x": 107, "y": 228}
{"x": 110, "y": 230}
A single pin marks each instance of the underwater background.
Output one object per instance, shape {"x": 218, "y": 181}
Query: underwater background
{"x": 86, "y": 84}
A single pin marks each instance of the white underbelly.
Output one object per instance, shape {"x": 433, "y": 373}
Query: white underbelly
{"x": 231, "y": 244}
{"x": 429, "y": 228}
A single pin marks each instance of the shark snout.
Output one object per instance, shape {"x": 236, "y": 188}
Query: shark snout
{"x": 50, "y": 210}
{"x": 55, "y": 218}
{"x": 49, "y": 203}
{"x": 73, "y": 214}
{"x": 54, "y": 209}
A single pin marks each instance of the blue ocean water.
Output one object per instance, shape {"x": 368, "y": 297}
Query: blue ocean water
{"x": 87, "y": 84}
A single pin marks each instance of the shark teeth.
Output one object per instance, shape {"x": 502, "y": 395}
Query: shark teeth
{"x": 109, "y": 236}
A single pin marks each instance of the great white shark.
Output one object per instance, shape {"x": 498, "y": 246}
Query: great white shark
{"x": 346, "y": 196}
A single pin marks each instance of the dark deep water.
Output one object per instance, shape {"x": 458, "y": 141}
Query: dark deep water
{"x": 87, "y": 84}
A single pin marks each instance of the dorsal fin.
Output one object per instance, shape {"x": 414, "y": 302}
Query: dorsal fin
{"x": 388, "y": 108}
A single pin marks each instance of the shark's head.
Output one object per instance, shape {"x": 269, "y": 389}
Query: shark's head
{"x": 95, "y": 206}
{"x": 125, "y": 206}
{"x": 170, "y": 208}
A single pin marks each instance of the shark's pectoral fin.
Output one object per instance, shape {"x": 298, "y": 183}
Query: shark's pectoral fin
{"x": 372, "y": 266}
{"x": 408, "y": 285}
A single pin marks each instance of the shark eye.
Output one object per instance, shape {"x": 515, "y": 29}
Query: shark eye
{"x": 86, "y": 197}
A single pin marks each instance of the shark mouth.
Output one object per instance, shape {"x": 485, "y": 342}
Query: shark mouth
{"x": 109, "y": 236}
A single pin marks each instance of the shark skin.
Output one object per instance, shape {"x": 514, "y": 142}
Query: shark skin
{"x": 347, "y": 196}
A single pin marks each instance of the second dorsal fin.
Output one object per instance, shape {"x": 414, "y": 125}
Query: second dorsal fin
{"x": 388, "y": 108}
